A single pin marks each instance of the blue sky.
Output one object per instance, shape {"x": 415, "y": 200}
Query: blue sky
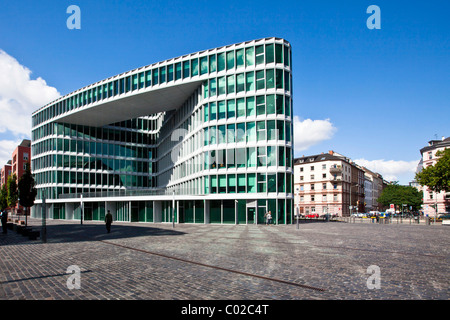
{"x": 376, "y": 96}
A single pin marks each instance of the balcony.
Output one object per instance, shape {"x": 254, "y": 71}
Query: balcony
{"x": 336, "y": 169}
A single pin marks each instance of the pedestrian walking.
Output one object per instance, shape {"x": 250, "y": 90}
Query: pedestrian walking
{"x": 269, "y": 218}
{"x": 4, "y": 219}
{"x": 108, "y": 221}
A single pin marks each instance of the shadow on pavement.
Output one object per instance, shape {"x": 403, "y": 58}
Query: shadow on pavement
{"x": 64, "y": 233}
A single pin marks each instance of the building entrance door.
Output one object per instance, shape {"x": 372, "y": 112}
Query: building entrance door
{"x": 251, "y": 213}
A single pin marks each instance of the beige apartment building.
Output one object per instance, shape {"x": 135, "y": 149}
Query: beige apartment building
{"x": 328, "y": 183}
{"x": 432, "y": 199}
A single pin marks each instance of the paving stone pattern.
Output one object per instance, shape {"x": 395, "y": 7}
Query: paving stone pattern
{"x": 326, "y": 260}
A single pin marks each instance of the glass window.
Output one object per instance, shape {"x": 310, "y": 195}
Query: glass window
{"x": 286, "y": 56}
{"x": 222, "y": 85}
{"x": 260, "y": 105}
{"x": 261, "y": 182}
{"x": 240, "y": 157}
{"x": 230, "y": 133}
{"x": 230, "y": 84}
{"x": 281, "y": 156}
{"x": 288, "y": 132}
{"x": 280, "y": 129}
{"x": 206, "y": 135}
{"x": 259, "y": 54}
{"x": 221, "y": 62}
{"x": 213, "y": 110}
{"x": 186, "y": 66}
{"x": 279, "y": 78}
{"x": 249, "y": 56}
{"x": 261, "y": 130}
{"x": 212, "y": 87}
{"x": 271, "y": 183}
{"x": 222, "y": 110}
{"x": 213, "y": 183}
{"x": 280, "y": 104}
{"x": 271, "y": 130}
{"x": 178, "y": 71}
{"x": 250, "y": 81}
{"x": 231, "y": 183}
{"x": 141, "y": 80}
{"x": 194, "y": 67}
{"x": 240, "y": 82}
{"x": 281, "y": 182}
{"x": 162, "y": 74}
{"x": 240, "y": 103}
{"x": 203, "y": 65}
{"x": 251, "y": 157}
{"x": 287, "y": 104}
{"x": 270, "y": 102}
{"x": 221, "y": 133}
{"x": 241, "y": 183}
{"x": 259, "y": 79}
{"x": 271, "y": 156}
{"x": 148, "y": 78}
{"x": 286, "y": 81}
{"x": 262, "y": 157}
{"x": 251, "y": 182}
{"x": 278, "y": 53}
{"x": 269, "y": 53}
{"x": 251, "y": 131}
{"x": 205, "y": 89}
{"x": 250, "y": 102}
{"x": 270, "y": 79}
{"x": 231, "y": 108}
{"x": 155, "y": 76}
{"x": 239, "y": 58}
{"x": 170, "y": 73}
{"x": 240, "y": 132}
{"x": 230, "y": 158}
{"x": 212, "y": 63}
{"x": 230, "y": 60}
{"x": 222, "y": 183}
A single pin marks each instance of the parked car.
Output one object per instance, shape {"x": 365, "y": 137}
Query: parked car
{"x": 312, "y": 215}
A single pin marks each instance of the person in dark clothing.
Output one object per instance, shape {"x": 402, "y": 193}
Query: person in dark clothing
{"x": 4, "y": 221}
{"x": 108, "y": 221}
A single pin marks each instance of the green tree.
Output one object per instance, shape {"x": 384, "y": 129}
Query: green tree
{"x": 27, "y": 191}
{"x": 4, "y": 197}
{"x": 13, "y": 194}
{"x": 399, "y": 195}
{"x": 437, "y": 177}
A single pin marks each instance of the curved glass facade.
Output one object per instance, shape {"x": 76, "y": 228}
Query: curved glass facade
{"x": 212, "y": 138}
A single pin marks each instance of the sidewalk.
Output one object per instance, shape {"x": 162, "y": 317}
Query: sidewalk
{"x": 246, "y": 262}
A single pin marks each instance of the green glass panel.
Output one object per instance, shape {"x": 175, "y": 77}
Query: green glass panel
{"x": 240, "y": 132}
{"x": 240, "y": 58}
{"x": 271, "y": 182}
{"x": 162, "y": 75}
{"x": 278, "y": 53}
{"x": 241, "y": 183}
{"x": 186, "y": 68}
{"x": 206, "y": 112}
{"x": 280, "y": 104}
{"x": 251, "y": 131}
{"x": 240, "y": 158}
{"x": 260, "y": 82}
{"x": 251, "y": 182}
{"x": 240, "y": 104}
{"x": 212, "y": 87}
{"x": 250, "y": 81}
{"x": 280, "y": 128}
{"x": 178, "y": 71}
{"x": 286, "y": 56}
{"x": 281, "y": 182}
{"x": 230, "y": 84}
{"x": 231, "y": 108}
{"x": 212, "y": 63}
{"x": 222, "y": 110}
{"x": 222, "y": 183}
{"x": 279, "y": 78}
{"x": 170, "y": 73}
{"x": 229, "y": 211}
{"x": 194, "y": 67}
{"x": 215, "y": 211}
{"x": 270, "y": 102}
{"x": 281, "y": 156}
{"x": 251, "y": 157}
{"x": 203, "y": 65}
{"x": 261, "y": 130}
{"x": 222, "y": 85}
{"x": 221, "y": 132}
{"x": 249, "y": 56}
{"x": 213, "y": 183}
{"x": 213, "y": 110}
{"x": 260, "y": 105}
{"x": 259, "y": 54}
{"x": 250, "y": 104}
{"x": 261, "y": 182}
{"x": 270, "y": 78}
{"x": 221, "y": 62}
{"x": 262, "y": 156}
{"x": 205, "y": 89}
{"x": 230, "y": 60}
{"x": 240, "y": 82}
{"x": 269, "y": 53}
{"x": 271, "y": 130}
{"x": 271, "y": 155}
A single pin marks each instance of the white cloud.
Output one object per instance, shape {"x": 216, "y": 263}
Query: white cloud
{"x": 391, "y": 170}
{"x": 19, "y": 97}
{"x": 311, "y": 132}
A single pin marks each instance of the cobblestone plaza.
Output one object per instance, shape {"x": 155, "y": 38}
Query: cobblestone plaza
{"x": 322, "y": 260}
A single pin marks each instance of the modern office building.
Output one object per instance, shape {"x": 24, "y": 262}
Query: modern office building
{"x": 208, "y": 134}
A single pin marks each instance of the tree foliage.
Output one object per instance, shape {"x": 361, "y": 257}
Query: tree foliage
{"x": 399, "y": 195}
{"x": 437, "y": 177}
{"x": 4, "y": 197}
{"x": 13, "y": 194}
{"x": 27, "y": 191}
